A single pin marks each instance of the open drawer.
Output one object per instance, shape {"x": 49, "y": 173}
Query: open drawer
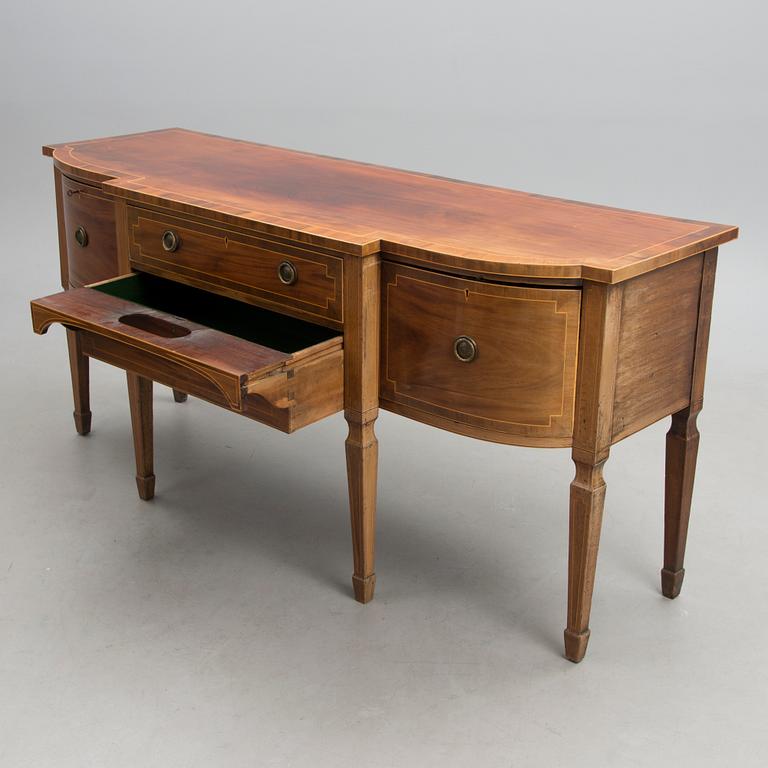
{"x": 276, "y": 369}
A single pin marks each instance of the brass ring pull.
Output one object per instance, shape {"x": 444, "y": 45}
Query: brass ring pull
{"x": 81, "y": 236}
{"x": 287, "y": 273}
{"x": 465, "y": 349}
{"x": 171, "y": 241}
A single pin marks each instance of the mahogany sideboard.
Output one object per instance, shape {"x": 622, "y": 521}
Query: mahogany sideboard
{"x": 288, "y": 286}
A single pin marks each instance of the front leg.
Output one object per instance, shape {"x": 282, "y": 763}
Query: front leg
{"x": 595, "y": 388}
{"x": 586, "y": 516}
{"x": 362, "y": 449}
{"x": 361, "y": 401}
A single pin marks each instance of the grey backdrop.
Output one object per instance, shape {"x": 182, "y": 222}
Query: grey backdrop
{"x": 214, "y": 626}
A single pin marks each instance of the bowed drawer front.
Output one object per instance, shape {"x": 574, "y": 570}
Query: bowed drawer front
{"x": 89, "y": 237}
{"x": 483, "y": 359}
{"x": 276, "y": 369}
{"x": 286, "y": 277}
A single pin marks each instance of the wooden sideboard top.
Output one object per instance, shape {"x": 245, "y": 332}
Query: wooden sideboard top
{"x": 362, "y": 208}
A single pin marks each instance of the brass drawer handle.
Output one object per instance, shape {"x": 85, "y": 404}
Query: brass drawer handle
{"x": 81, "y": 236}
{"x": 171, "y": 241}
{"x": 465, "y": 349}
{"x": 287, "y": 273}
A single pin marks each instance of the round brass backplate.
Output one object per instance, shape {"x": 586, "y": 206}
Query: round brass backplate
{"x": 465, "y": 349}
{"x": 171, "y": 241}
{"x": 287, "y": 273}
{"x": 81, "y": 236}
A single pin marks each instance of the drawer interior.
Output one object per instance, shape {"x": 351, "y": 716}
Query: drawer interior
{"x": 276, "y": 369}
{"x": 254, "y": 324}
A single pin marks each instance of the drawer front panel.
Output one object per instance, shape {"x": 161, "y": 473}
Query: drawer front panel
{"x": 91, "y": 239}
{"x": 209, "y": 256}
{"x": 494, "y": 361}
{"x": 281, "y": 371}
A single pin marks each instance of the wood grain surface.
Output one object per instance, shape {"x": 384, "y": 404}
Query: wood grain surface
{"x": 598, "y": 359}
{"x": 656, "y": 346}
{"x": 361, "y": 409}
{"x": 217, "y": 259}
{"x": 286, "y": 389}
{"x": 521, "y": 384}
{"x": 683, "y": 444}
{"x": 361, "y": 208}
{"x": 142, "y": 426}
{"x": 88, "y": 207}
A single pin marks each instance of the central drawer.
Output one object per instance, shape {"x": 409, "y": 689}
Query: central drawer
{"x": 278, "y": 370}
{"x": 305, "y": 282}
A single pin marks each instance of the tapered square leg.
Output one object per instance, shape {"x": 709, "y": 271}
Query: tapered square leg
{"x": 595, "y": 388}
{"x": 140, "y": 400}
{"x": 361, "y": 401}
{"x": 586, "y": 516}
{"x": 683, "y": 446}
{"x": 179, "y": 396}
{"x": 78, "y": 365}
{"x": 362, "y": 460}
{"x": 682, "y": 449}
